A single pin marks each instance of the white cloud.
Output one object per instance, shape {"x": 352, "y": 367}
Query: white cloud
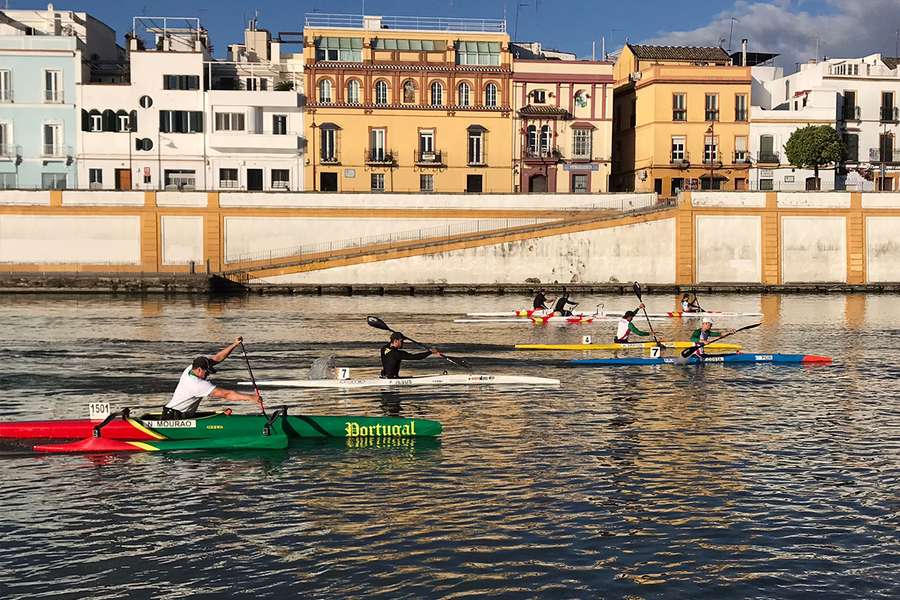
{"x": 850, "y": 28}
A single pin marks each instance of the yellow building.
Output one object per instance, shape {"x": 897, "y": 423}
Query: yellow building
{"x": 680, "y": 120}
{"x": 408, "y": 104}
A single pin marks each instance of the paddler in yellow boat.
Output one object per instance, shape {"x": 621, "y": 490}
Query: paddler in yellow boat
{"x": 626, "y": 327}
{"x": 701, "y": 336}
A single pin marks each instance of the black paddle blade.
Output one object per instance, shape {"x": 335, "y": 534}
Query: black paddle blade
{"x": 377, "y": 323}
{"x": 637, "y": 290}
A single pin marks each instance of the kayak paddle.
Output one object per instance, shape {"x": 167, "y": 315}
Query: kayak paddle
{"x": 379, "y": 324}
{"x": 252, "y": 378}
{"x": 637, "y": 292}
{"x": 688, "y": 351}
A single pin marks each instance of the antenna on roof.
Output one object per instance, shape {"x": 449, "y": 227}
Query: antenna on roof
{"x": 731, "y": 34}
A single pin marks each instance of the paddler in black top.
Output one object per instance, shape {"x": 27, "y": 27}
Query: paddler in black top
{"x": 562, "y": 302}
{"x": 540, "y": 301}
{"x": 392, "y": 354}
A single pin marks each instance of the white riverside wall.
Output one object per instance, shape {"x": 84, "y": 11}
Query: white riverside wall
{"x": 883, "y": 249}
{"x": 182, "y": 240}
{"x": 813, "y": 249}
{"x": 70, "y": 240}
{"x": 642, "y": 251}
{"x": 729, "y": 249}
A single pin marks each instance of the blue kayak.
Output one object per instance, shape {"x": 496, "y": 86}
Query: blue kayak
{"x": 696, "y": 360}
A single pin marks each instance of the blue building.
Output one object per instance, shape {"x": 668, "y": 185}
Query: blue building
{"x": 44, "y": 56}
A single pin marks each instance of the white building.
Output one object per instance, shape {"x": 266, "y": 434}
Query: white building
{"x": 865, "y": 91}
{"x": 182, "y": 120}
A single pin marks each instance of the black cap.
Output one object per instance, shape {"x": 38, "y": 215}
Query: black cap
{"x": 629, "y": 314}
{"x": 205, "y": 363}
{"x": 397, "y": 336}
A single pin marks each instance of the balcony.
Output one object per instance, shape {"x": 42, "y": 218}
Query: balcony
{"x": 712, "y": 162}
{"x": 379, "y": 156}
{"x": 890, "y": 114}
{"x": 712, "y": 115}
{"x": 330, "y": 159}
{"x": 851, "y": 113}
{"x": 542, "y": 154}
{"x": 884, "y": 155}
{"x": 343, "y": 21}
{"x": 10, "y": 152}
{"x": 53, "y": 96}
{"x": 768, "y": 158}
{"x": 6, "y": 96}
{"x": 740, "y": 115}
{"x": 741, "y": 157}
{"x": 680, "y": 159}
{"x": 679, "y": 114}
{"x": 255, "y": 142}
{"x": 229, "y": 184}
{"x": 431, "y": 158}
{"x": 55, "y": 152}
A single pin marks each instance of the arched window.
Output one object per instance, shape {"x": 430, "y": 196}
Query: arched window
{"x": 409, "y": 92}
{"x": 353, "y": 92}
{"x": 437, "y": 94}
{"x": 532, "y": 140}
{"x": 545, "y": 140}
{"x": 381, "y": 92}
{"x": 490, "y": 95}
{"x": 463, "y": 95}
{"x": 325, "y": 90}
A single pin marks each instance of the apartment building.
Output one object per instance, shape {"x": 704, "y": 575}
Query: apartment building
{"x": 867, "y": 113}
{"x": 408, "y": 104}
{"x": 181, "y": 120}
{"x": 44, "y": 56}
{"x": 681, "y": 120}
{"x": 563, "y": 121}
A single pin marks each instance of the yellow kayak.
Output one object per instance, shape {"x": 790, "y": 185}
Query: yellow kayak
{"x": 628, "y": 346}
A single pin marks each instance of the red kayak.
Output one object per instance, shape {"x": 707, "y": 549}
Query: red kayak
{"x": 73, "y": 429}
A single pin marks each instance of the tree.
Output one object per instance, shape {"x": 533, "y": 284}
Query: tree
{"x": 284, "y": 86}
{"x": 814, "y": 146}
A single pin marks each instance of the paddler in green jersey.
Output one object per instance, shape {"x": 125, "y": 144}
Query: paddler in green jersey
{"x": 701, "y": 336}
{"x": 626, "y": 327}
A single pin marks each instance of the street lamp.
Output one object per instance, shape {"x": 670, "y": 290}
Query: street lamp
{"x": 711, "y": 136}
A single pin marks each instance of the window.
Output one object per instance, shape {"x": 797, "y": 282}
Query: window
{"x": 95, "y": 178}
{"x": 580, "y": 183}
{"x": 339, "y": 49}
{"x": 52, "y": 140}
{"x": 181, "y": 82}
{"x": 7, "y": 181}
{"x": 426, "y": 144}
{"x": 123, "y": 123}
{"x": 229, "y": 121}
{"x": 740, "y": 107}
{"x": 851, "y": 147}
{"x": 377, "y": 182}
{"x": 581, "y": 143}
{"x": 5, "y": 86}
{"x": 228, "y": 178}
{"x": 281, "y": 179}
{"x": 325, "y": 91}
{"x": 490, "y": 95}
{"x": 381, "y": 92}
{"x": 463, "y": 94}
{"x": 532, "y": 140}
{"x": 478, "y": 53}
{"x": 180, "y": 121}
{"x": 411, "y": 45}
{"x": 409, "y": 92}
{"x": 5, "y": 146}
{"x": 546, "y": 137}
{"x": 255, "y": 84}
{"x": 476, "y": 147}
{"x": 851, "y": 111}
{"x": 740, "y": 149}
{"x": 886, "y": 148}
{"x": 679, "y": 107}
{"x": 52, "y": 91}
{"x": 353, "y": 92}
{"x": 678, "y": 144}
{"x": 888, "y": 112}
{"x": 710, "y": 149}
{"x": 279, "y": 124}
{"x": 677, "y": 185}
{"x": 53, "y": 181}
{"x": 539, "y": 96}
{"x": 712, "y": 107}
{"x": 437, "y": 94}
{"x": 766, "y": 185}
{"x": 96, "y": 121}
{"x": 426, "y": 183}
{"x": 328, "y": 152}
{"x": 767, "y": 149}
{"x": 377, "y": 152}
{"x": 180, "y": 179}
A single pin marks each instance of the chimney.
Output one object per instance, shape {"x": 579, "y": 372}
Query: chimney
{"x": 744, "y": 52}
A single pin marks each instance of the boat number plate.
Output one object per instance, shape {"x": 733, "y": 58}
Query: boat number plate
{"x": 654, "y": 352}
{"x": 586, "y": 340}
{"x": 343, "y": 373}
{"x": 98, "y": 410}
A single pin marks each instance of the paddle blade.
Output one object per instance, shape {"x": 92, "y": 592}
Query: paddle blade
{"x": 688, "y": 351}
{"x": 637, "y": 290}
{"x": 377, "y": 323}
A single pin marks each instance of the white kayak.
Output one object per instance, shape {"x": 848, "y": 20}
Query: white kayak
{"x": 554, "y": 320}
{"x": 608, "y": 315}
{"x": 425, "y": 380}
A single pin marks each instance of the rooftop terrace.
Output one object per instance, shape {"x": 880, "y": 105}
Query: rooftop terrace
{"x": 377, "y": 23}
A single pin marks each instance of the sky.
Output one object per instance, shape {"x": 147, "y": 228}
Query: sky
{"x": 789, "y": 27}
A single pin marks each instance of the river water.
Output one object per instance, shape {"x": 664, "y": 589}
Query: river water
{"x": 688, "y": 482}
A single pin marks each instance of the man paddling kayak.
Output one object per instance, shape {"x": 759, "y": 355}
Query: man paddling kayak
{"x": 540, "y": 301}
{"x": 626, "y": 327}
{"x": 193, "y": 387}
{"x": 701, "y": 336}
{"x": 393, "y": 354}
{"x": 561, "y": 304}
{"x": 688, "y": 305}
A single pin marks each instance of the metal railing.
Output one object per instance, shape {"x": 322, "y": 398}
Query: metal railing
{"x": 10, "y": 151}
{"x": 712, "y": 115}
{"x": 379, "y": 156}
{"x": 53, "y": 96}
{"x": 851, "y": 113}
{"x": 6, "y": 96}
{"x": 344, "y": 21}
{"x": 543, "y": 153}
{"x": 890, "y": 114}
{"x": 329, "y": 160}
{"x": 229, "y": 184}
{"x": 681, "y": 159}
{"x": 768, "y": 158}
{"x": 55, "y": 151}
{"x": 884, "y": 155}
{"x": 741, "y": 157}
{"x": 434, "y": 157}
{"x": 740, "y": 114}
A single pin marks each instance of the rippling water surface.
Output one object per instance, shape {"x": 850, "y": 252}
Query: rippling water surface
{"x": 717, "y": 481}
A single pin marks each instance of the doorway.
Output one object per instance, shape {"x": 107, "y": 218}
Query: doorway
{"x": 328, "y": 182}
{"x": 473, "y": 184}
{"x": 255, "y": 180}
{"x": 537, "y": 183}
{"x": 123, "y": 179}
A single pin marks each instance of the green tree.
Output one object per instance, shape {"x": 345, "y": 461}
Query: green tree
{"x": 284, "y": 86}
{"x": 814, "y": 146}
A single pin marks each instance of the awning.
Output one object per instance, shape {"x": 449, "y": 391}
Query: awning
{"x": 582, "y": 125}
{"x": 476, "y": 127}
{"x": 329, "y": 126}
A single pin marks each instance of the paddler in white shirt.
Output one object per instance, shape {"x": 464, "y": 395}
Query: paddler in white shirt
{"x": 193, "y": 386}
{"x": 626, "y": 327}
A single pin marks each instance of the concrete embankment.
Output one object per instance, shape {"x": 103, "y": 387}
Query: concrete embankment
{"x": 104, "y": 283}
